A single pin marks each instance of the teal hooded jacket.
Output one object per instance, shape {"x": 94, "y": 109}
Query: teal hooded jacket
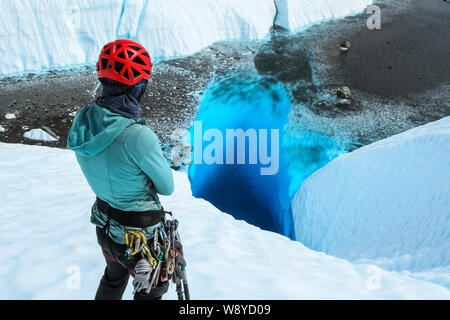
{"x": 123, "y": 164}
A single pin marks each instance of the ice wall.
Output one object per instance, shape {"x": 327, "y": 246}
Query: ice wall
{"x": 57, "y": 33}
{"x": 387, "y": 202}
{"x": 298, "y": 14}
{"x": 54, "y": 33}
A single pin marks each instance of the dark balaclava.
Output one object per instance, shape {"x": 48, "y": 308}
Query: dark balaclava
{"x": 122, "y": 99}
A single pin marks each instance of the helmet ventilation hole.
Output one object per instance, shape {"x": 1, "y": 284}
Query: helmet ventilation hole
{"x": 135, "y": 73}
{"x": 118, "y": 66}
{"x": 121, "y": 55}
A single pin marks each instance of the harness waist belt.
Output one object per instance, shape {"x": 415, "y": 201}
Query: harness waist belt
{"x": 135, "y": 219}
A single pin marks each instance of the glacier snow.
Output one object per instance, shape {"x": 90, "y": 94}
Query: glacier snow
{"x": 386, "y": 203}
{"x": 60, "y": 33}
{"x": 47, "y": 239}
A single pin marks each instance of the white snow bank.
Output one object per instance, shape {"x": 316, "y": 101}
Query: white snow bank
{"x": 10, "y": 116}
{"x": 2, "y": 129}
{"x": 49, "y": 34}
{"x": 386, "y": 203}
{"x": 39, "y": 135}
{"x": 49, "y": 249}
{"x": 298, "y": 14}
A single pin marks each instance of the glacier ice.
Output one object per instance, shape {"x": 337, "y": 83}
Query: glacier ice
{"x": 39, "y": 135}
{"x": 295, "y": 15}
{"x": 387, "y": 202}
{"x": 53, "y": 34}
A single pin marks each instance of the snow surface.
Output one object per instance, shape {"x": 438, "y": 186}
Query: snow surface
{"x": 387, "y": 203}
{"x": 39, "y": 135}
{"x": 49, "y": 34}
{"x": 46, "y": 238}
{"x": 2, "y": 129}
{"x": 10, "y": 116}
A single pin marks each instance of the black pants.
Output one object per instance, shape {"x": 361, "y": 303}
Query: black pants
{"x": 117, "y": 272}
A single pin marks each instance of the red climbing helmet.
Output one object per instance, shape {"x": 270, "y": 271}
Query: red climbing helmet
{"x": 124, "y": 61}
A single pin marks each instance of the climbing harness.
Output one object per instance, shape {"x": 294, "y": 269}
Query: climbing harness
{"x": 161, "y": 257}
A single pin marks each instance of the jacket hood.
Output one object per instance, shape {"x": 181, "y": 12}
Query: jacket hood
{"x": 94, "y": 128}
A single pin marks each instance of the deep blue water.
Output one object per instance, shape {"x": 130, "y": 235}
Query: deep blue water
{"x": 258, "y": 106}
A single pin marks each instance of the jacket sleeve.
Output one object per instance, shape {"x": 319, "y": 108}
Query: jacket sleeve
{"x": 145, "y": 149}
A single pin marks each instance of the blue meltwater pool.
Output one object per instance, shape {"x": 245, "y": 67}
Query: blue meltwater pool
{"x": 244, "y": 160}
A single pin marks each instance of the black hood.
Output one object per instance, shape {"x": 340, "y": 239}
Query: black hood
{"x": 122, "y": 99}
